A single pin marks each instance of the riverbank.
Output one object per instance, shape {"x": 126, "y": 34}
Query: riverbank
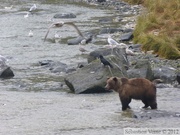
{"x": 133, "y": 13}
{"x": 153, "y": 31}
{"x": 158, "y": 27}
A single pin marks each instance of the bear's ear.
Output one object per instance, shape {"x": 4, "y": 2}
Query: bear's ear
{"x": 115, "y": 79}
{"x": 108, "y": 78}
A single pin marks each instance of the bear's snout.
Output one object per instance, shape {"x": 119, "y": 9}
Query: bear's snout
{"x": 107, "y": 87}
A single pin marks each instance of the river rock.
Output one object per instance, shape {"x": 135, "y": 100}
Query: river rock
{"x": 92, "y": 78}
{"x": 126, "y": 37}
{"x": 65, "y": 15}
{"x": 101, "y": 1}
{"x": 167, "y": 74}
{"x": 127, "y": 30}
{"x": 55, "y": 66}
{"x": 105, "y": 20}
{"x": 75, "y": 41}
{"x": 110, "y": 30}
{"x": 46, "y": 62}
{"x": 141, "y": 69}
{"x": 6, "y": 73}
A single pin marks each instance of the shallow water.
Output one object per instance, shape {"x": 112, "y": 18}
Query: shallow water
{"x": 64, "y": 113}
{"x": 33, "y": 102}
{"x": 25, "y": 52}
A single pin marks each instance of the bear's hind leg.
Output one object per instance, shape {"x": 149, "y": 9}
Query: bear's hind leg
{"x": 146, "y": 105}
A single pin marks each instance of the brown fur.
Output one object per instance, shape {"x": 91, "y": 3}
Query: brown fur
{"x": 136, "y": 88}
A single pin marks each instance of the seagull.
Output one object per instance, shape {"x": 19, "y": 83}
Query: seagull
{"x": 129, "y": 52}
{"x": 2, "y": 58}
{"x": 60, "y": 24}
{"x": 57, "y": 37}
{"x": 8, "y": 8}
{"x": 104, "y": 61}
{"x": 86, "y": 40}
{"x": 26, "y": 16}
{"x": 34, "y": 7}
{"x": 112, "y": 41}
{"x": 30, "y": 33}
{"x": 2, "y": 61}
{"x": 83, "y": 42}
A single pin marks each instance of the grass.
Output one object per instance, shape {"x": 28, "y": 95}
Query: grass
{"x": 158, "y": 28}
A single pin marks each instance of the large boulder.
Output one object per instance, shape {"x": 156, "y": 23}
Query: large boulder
{"x": 165, "y": 73}
{"x": 56, "y": 66}
{"x": 6, "y": 73}
{"x": 141, "y": 69}
{"x": 92, "y": 78}
{"x": 119, "y": 52}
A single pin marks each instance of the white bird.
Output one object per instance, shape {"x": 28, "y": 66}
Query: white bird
{"x": 57, "y": 37}
{"x": 30, "y": 33}
{"x": 129, "y": 52}
{"x": 34, "y": 7}
{"x": 112, "y": 41}
{"x": 2, "y": 61}
{"x": 60, "y": 24}
{"x": 83, "y": 42}
{"x": 26, "y": 16}
{"x": 8, "y": 8}
{"x": 2, "y": 58}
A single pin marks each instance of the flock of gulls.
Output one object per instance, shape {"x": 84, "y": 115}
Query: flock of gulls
{"x": 112, "y": 43}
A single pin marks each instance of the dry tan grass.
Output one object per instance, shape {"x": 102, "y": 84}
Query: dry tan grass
{"x": 159, "y": 28}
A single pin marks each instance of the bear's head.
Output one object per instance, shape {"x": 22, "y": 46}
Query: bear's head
{"x": 112, "y": 83}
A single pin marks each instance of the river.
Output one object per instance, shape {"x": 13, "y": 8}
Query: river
{"x": 33, "y": 102}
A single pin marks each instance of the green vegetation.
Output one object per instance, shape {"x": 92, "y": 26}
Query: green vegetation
{"x": 158, "y": 27}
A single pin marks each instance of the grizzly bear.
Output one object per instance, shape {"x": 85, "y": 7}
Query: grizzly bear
{"x": 135, "y": 88}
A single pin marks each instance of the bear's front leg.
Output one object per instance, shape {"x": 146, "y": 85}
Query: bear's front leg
{"x": 125, "y": 103}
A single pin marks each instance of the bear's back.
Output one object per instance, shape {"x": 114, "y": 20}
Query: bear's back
{"x": 138, "y": 88}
